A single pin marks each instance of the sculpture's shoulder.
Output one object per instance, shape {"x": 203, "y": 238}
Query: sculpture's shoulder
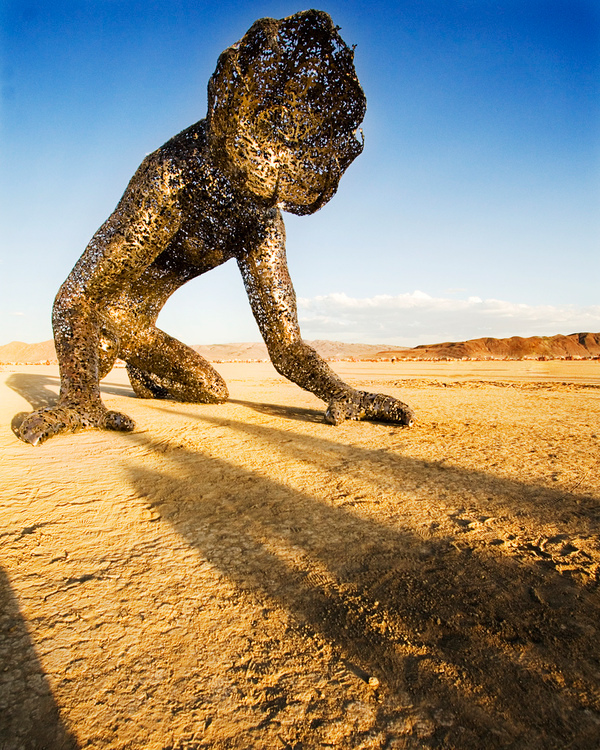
{"x": 172, "y": 167}
{"x": 186, "y": 149}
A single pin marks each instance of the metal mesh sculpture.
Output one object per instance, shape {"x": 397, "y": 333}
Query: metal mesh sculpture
{"x": 284, "y": 105}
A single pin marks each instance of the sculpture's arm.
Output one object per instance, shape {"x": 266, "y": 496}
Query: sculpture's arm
{"x": 273, "y": 301}
{"x": 139, "y": 229}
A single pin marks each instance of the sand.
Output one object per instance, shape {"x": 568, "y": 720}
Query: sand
{"x": 246, "y": 576}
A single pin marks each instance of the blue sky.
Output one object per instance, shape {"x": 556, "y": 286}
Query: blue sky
{"x": 473, "y": 211}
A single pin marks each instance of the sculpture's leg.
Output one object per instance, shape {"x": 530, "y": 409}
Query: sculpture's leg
{"x": 87, "y": 336}
{"x": 159, "y": 366}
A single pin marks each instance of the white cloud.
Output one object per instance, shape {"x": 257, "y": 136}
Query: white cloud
{"x": 417, "y": 318}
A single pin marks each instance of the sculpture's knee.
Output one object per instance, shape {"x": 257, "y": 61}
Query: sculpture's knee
{"x": 203, "y": 390}
{"x": 200, "y": 388}
{"x": 217, "y": 391}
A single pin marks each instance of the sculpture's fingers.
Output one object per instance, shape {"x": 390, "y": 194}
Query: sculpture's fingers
{"x": 33, "y": 431}
{"x": 341, "y": 409}
{"x": 387, "y": 409}
{"x": 115, "y": 420}
{"x": 371, "y": 406}
{"x": 335, "y": 414}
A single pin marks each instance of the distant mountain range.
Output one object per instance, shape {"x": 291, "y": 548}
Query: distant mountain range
{"x": 573, "y": 346}
{"x": 19, "y": 352}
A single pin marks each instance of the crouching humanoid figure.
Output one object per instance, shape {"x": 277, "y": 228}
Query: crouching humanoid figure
{"x": 284, "y": 105}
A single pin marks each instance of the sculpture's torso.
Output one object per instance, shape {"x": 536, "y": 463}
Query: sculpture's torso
{"x": 214, "y": 223}
{"x": 217, "y": 222}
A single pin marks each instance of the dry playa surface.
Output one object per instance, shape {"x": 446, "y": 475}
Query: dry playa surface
{"x": 247, "y": 576}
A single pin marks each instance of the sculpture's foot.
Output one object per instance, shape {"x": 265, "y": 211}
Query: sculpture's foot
{"x": 369, "y": 406}
{"x": 46, "y": 423}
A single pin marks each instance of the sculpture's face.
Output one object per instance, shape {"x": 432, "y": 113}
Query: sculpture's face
{"x": 284, "y": 106}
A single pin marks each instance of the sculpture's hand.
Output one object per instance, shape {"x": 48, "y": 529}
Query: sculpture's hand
{"x": 46, "y": 423}
{"x": 371, "y": 406}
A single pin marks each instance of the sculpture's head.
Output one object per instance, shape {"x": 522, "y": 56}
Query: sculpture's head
{"x": 284, "y": 104}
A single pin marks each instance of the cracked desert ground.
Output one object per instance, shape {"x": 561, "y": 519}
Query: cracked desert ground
{"x": 247, "y": 576}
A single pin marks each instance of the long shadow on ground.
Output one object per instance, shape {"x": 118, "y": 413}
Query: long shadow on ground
{"x": 29, "y": 718}
{"x": 404, "y": 474}
{"x": 39, "y": 391}
{"x": 492, "y": 651}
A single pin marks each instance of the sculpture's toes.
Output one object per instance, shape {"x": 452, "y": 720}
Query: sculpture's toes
{"x": 115, "y": 420}
{"x": 46, "y": 423}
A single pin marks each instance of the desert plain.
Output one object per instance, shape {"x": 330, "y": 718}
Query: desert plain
{"x": 247, "y": 576}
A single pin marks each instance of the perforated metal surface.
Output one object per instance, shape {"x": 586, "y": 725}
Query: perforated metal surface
{"x": 284, "y": 106}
